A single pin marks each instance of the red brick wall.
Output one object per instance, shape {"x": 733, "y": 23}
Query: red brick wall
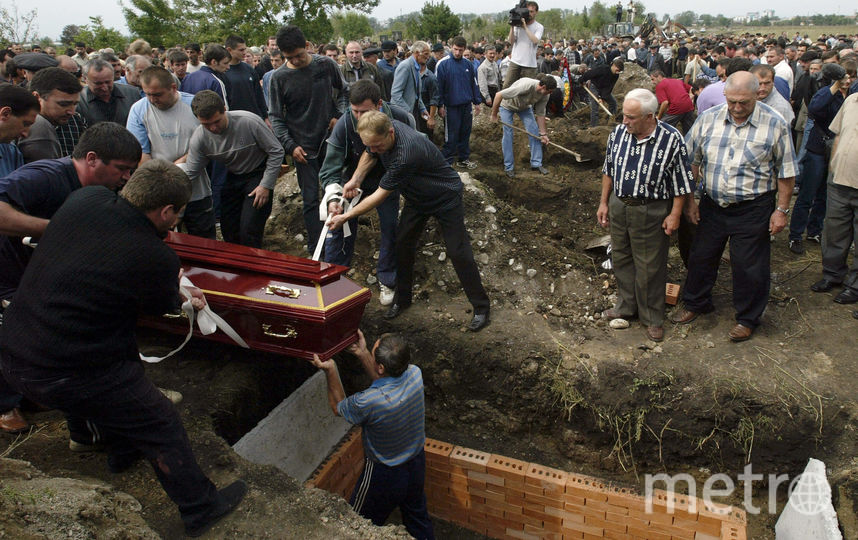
{"x": 503, "y": 497}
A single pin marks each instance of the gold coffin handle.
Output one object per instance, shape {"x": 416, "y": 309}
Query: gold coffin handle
{"x": 179, "y": 315}
{"x": 282, "y": 290}
{"x": 290, "y": 332}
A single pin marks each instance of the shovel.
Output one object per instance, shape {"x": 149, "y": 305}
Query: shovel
{"x": 599, "y": 101}
{"x": 577, "y": 156}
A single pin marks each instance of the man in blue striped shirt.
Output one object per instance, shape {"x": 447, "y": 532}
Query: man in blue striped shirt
{"x": 391, "y": 413}
{"x": 743, "y": 153}
{"x": 645, "y": 180}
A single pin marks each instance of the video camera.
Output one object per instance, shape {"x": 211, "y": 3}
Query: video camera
{"x": 519, "y": 15}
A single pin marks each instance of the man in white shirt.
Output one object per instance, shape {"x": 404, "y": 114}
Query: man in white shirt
{"x": 163, "y": 124}
{"x": 524, "y": 39}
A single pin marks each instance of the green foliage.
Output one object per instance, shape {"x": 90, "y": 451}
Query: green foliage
{"x": 436, "y": 21}
{"x": 158, "y": 22}
{"x": 686, "y": 18}
{"x": 98, "y": 36}
{"x": 68, "y": 34}
{"x": 351, "y": 26}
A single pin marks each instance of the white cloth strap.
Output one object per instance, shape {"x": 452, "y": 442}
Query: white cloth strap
{"x": 207, "y": 320}
{"x": 333, "y": 192}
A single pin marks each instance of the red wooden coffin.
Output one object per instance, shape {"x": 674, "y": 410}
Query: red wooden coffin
{"x": 276, "y": 302}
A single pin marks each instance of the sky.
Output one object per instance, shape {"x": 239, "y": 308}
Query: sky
{"x": 53, "y": 15}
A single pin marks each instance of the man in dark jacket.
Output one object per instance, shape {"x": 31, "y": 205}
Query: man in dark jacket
{"x": 68, "y": 341}
{"x": 603, "y": 79}
{"x": 458, "y": 91}
{"x": 303, "y": 111}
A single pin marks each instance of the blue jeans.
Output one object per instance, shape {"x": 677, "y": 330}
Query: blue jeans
{"x": 529, "y": 121}
{"x": 339, "y": 249}
{"x": 802, "y": 150}
{"x": 808, "y": 212}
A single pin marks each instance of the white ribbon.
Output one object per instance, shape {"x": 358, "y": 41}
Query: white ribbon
{"x": 207, "y": 320}
{"x": 333, "y": 192}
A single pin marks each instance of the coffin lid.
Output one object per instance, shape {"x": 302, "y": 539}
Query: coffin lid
{"x": 194, "y": 248}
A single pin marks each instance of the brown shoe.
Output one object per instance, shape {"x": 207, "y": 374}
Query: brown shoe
{"x": 655, "y": 333}
{"x": 740, "y": 333}
{"x": 13, "y": 422}
{"x": 683, "y": 316}
{"x": 613, "y": 313}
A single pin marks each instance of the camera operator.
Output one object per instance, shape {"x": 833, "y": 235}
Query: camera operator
{"x": 524, "y": 35}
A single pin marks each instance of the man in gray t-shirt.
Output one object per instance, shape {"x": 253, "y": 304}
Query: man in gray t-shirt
{"x": 242, "y": 142}
{"x": 164, "y": 123}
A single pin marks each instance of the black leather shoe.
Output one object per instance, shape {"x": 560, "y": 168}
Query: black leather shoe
{"x": 227, "y": 499}
{"x": 541, "y": 170}
{"x": 847, "y": 296}
{"x": 480, "y": 321}
{"x": 855, "y": 314}
{"x": 395, "y": 310}
{"x": 823, "y": 285}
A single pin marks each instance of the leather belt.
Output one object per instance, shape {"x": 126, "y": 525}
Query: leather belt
{"x": 633, "y": 201}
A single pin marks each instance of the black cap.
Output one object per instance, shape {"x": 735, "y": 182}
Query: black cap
{"x": 34, "y": 61}
{"x": 388, "y": 45}
{"x": 437, "y": 47}
{"x": 371, "y": 51}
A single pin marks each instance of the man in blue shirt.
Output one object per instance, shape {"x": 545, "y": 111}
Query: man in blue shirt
{"x": 391, "y": 412}
{"x": 18, "y": 111}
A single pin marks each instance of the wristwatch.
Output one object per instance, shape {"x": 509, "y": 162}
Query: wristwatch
{"x": 784, "y": 210}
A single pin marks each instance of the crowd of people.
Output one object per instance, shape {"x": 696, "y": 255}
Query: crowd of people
{"x": 102, "y": 153}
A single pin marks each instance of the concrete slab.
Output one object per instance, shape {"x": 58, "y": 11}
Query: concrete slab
{"x": 298, "y": 434}
{"x": 809, "y": 514}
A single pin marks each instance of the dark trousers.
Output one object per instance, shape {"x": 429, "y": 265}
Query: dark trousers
{"x": 458, "y": 245}
{"x": 839, "y": 234}
{"x": 308, "y": 181}
{"x": 746, "y": 226}
{"x": 199, "y": 218}
{"x": 339, "y": 249}
{"x": 457, "y": 133}
{"x": 9, "y": 397}
{"x": 610, "y": 103}
{"x": 130, "y": 414}
{"x": 686, "y": 120}
{"x": 240, "y": 222}
{"x": 808, "y": 212}
{"x": 380, "y": 489}
{"x": 217, "y": 173}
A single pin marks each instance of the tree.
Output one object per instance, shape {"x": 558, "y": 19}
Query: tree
{"x": 552, "y": 20}
{"x": 686, "y": 18}
{"x": 98, "y": 36}
{"x": 157, "y": 21}
{"x": 17, "y": 27}
{"x": 351, "y": 26}
{"x": 437, "y": 21}
{"x": 68, "y": 34}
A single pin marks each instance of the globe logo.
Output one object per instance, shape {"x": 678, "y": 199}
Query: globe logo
{"x": 809, "y": 493}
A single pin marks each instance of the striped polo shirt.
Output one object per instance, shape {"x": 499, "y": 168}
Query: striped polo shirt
{"x": 740, "y": 162}
{"x": 656, "y": 167}
{"x": 391, "y": 413}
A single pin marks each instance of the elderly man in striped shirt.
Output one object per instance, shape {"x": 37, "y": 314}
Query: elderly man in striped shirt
{"x": 743, "y": 153}
{"x": 391, "y": 412}
{"x": 645, "y": 180}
